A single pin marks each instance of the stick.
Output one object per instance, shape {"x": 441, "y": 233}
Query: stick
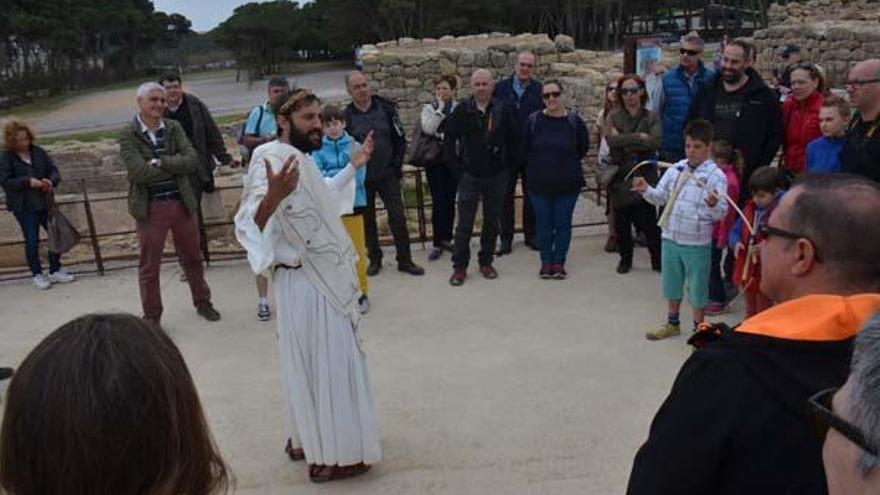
{"x": 730, "y": 202}
{"x": 647, "y": 162}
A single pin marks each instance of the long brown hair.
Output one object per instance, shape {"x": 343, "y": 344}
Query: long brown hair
{"x": 638, "y": 79}
{"x": 105, "y": 405}
{"x": 608, "y": 107}
{"x": 722, "y": 150}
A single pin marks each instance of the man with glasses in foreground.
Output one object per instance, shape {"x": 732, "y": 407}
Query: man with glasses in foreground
{"x": 861, "y": 149}
{"x": 736, "y": 419}
{"x": 847, "y": 420}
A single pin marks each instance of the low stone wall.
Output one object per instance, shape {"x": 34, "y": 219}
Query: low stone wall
{"x": 832, "y": 33}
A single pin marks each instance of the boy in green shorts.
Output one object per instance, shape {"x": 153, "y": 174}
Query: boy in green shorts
{"x": 690, "y": 191}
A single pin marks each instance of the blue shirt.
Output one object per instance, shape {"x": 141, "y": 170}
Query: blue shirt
{"x": 823, "y": 155}
{"x": 267, "y": 125}
{"x": 334, "y": 156}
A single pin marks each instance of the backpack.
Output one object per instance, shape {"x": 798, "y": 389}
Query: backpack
{"x": 570, "y": 116}
{"x": 244, "y": 150}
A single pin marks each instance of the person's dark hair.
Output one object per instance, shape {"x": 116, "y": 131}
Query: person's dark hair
{"x": 607, "y": 107}
{"x": 450, "y": 80}
{"x": 638, "y": 79}
{"x": 722, "y": 150}
{"x": 765, "y": 179}
{"x": 747, "y": 48}
{"x": 332, "y": 113}
{"x": 557, "y": 83}
{"x": 105, "y": 405}
{"x": 298, "y": 98}
{"x": 169, "y": 77}
{"x": 701, "y": 130}
{"x": 278, "y": 82}
{"x": 838, "y": 212}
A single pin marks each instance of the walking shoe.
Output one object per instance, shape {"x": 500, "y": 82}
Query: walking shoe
{"x": 457, "y": 278}
{"x": 664, "y": 332}
{"x": 611, "y": 244}
{"x": 6, "y": 373}
{"x": 363, "y": 305}
{"x": 546, "y": 271}
{"x": 506, "y": 247}
{"x": 206, "y": 310}
{"x": 716, "y": 308}
{"x": 373, "y": 268}
{"x": 263, "y": 312}
{"x": 411, "y": 268}
{"x": 41, "y": 282}
{"x": 624, "y": 266}
{"x": 488, "y": 272}
{"x": 559, "y": 272}
{"x": 61, "y": 277}
{"x": 295, "y": 454}
{"x": 435, "y": 254}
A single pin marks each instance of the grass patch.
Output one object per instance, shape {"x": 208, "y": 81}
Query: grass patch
{"x": 85, "y": 137}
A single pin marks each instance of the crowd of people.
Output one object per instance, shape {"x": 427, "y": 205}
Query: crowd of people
{"x": 690, "y": 167}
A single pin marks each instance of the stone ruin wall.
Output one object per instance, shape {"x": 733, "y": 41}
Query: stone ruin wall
{"x": 834, "y": 34}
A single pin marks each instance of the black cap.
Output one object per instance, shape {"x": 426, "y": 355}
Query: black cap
{"x": 788, "y": 50}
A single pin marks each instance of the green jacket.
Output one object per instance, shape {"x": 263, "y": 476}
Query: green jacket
{"x": 178, "y": 161}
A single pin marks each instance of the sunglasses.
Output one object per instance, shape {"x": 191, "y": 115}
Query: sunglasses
{"x": 611, "y": 88}
{"x": 629, "y": 91}
{"x": 822, "y": 417}
{"x": 551, "y": 94}
{"x": 767, "y": 232}
{"x": 690, "y": 53}
{"x": 861, "y": 82}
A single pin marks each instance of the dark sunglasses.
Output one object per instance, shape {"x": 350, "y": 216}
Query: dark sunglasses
{"x": 629, "y": 91}
{"x": 822, "y": 417}
{"x": 611, "y": 88}
{"x": 862, "y": 82}
{"x": 768, "y": 231}
{"x": 551, "y": 94}
{"x": 690, "y": 53}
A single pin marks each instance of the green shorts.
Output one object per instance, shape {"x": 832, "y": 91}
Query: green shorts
{"x": 689, "y": 264}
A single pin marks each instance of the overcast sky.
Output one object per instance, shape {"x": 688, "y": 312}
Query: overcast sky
{"x": 204, "y": 14}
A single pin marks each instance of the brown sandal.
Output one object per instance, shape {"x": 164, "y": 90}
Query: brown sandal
{"x": 294, "y": 454}
{"x": 323, "y": 474}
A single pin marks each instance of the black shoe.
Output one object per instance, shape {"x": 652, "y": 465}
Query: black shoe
{"x": 411, "y": 268}
{"x": 505, "y": 248}
{"x": 656, "y": 266}
{"x": 435, "y": 254}
{"x": 374, "y": 268}
{"x": 447, "y": 245}
{"x": 207, "y": 311}
{"x": 533, "y": 244}
{"x": 624, "y": 266}
{"x": 6, "y": 373}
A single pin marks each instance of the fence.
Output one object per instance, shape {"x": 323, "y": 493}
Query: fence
{"x": 416, "y": 202}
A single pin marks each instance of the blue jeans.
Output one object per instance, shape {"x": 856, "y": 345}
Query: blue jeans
{"x": 553, "y": 225}
{"x": 30, "y": 222}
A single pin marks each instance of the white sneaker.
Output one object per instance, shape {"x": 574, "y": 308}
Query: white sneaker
{"x": 363, "y": 305}
{"x": 41, "y": 282}
{"x": 263, "y": 312}
{"x": 61, "y": 277}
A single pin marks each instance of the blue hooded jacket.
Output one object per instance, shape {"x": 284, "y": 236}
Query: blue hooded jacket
{"x": 677, "y": 97}
{"x": 334, "y": 156}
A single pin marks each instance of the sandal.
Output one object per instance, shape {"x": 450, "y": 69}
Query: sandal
{"x": 297, "y": 454}
{"x": 333, "y": 473}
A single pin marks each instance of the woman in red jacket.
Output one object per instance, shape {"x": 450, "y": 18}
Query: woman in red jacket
{"x": 800, "y": 114}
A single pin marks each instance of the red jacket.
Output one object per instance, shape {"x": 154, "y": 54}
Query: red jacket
{"x": 801, "y": 121}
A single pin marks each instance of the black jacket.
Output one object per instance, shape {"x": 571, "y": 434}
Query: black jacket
{"x": 472, "y": 148}
{"x": 395, "y": 126}
{"x": 530, "y": 102}
{"x": 15, "y": 177}
{"x": 207, "y": 141}
{"x": 759, "y": 127}
{"x": 736, "y": 419}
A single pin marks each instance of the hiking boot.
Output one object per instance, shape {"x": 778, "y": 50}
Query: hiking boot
{"x": 206, "y": 310}
{"x": 373, "y": 268}
{"x": 546, "y": 271}
{"x": 61, "y": 277}
{"x": 716, "y": 308}
{"x": 624, "y": 266}
{"x": 559, "y": 272}
{"x": 457, "y": 278}
{"x": 488, "y": 272}
{"x": 411, "y": 268}
{"x": 664, "y": 332}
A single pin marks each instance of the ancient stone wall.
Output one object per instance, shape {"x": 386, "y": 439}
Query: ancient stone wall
{"x": 835, "y": 34}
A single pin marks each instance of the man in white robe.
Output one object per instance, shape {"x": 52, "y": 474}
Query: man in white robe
{"x": 289, "y": 223}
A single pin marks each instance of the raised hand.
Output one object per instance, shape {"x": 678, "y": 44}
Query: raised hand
{"x": 639, "y": 185}
{"x": 284, "y": 182}
{"x": 360, "y": 157}
{"x": 712, "y": 199}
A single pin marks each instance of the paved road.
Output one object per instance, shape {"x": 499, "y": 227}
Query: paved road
{"x": 512, "y": 386}
{"x": 110, "y": 109}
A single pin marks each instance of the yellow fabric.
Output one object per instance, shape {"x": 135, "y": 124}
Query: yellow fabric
{"x": 354, "y": 224}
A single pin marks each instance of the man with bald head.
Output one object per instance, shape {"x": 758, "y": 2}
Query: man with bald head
{"x": 479, "y": 140}
{"x": 371, "y": 113}
{"x": 861, "y": 149}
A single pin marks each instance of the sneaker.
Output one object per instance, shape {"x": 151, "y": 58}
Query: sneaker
{"x": 411, "y": 268}
{"x": 263, "y": 312}
{"x": 664, "y": 332}
{"x": 42, "y": 282}
{"x": 363, "y": 305}
{"x": 716, "y": 308}
{"x": 488, "y": 272}
{"x": 559, "y": 272}
{"x": 546, "y": 271}
{"x": 457, "y": 278}
{"x": 206, "y": 310}
{"x": 61, "y": 277}
{"x": 435, "y": 254}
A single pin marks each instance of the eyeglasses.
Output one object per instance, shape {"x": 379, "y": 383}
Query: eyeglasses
{"x": 551, "y": 94}
{"x": 861, "y": 82}
{"x": 610, "y": 89}
{"x": 768, "y": 231}
{"x": 690, "y": 53}
{"x": 629, "y": 91}
{"x": 822, "y": 417}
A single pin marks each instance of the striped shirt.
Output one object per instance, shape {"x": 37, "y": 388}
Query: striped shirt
{"x": 690, "y": 221}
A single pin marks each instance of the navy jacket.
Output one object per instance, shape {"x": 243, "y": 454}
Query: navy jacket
{"x": 677, "y": 97}
{"x": 554, "y": 148}
{"x": 530, "y": 103}
{"x": 15, "y": 177}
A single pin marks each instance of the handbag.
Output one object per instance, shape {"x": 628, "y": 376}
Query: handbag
{"x": 63, "y": 236}
{"x": 427, "y": 151}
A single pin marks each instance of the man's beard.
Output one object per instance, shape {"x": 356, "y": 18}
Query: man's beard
{"x": 732, "y": 77}
{"x": 306, "y": 141}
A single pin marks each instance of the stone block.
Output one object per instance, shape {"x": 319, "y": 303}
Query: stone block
{"x": 388, "y": 59}
{"x": 564, "y": 43}
{"x": 447, "y": 67}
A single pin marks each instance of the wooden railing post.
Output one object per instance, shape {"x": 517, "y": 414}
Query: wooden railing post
{"x": 90, "y": 220}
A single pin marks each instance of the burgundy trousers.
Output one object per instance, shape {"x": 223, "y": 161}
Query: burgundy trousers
{"x": 165, "y": 216}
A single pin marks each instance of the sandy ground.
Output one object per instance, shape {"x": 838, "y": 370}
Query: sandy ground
{"x": 512, "y": 386}
{"x": 110, "y": 109}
